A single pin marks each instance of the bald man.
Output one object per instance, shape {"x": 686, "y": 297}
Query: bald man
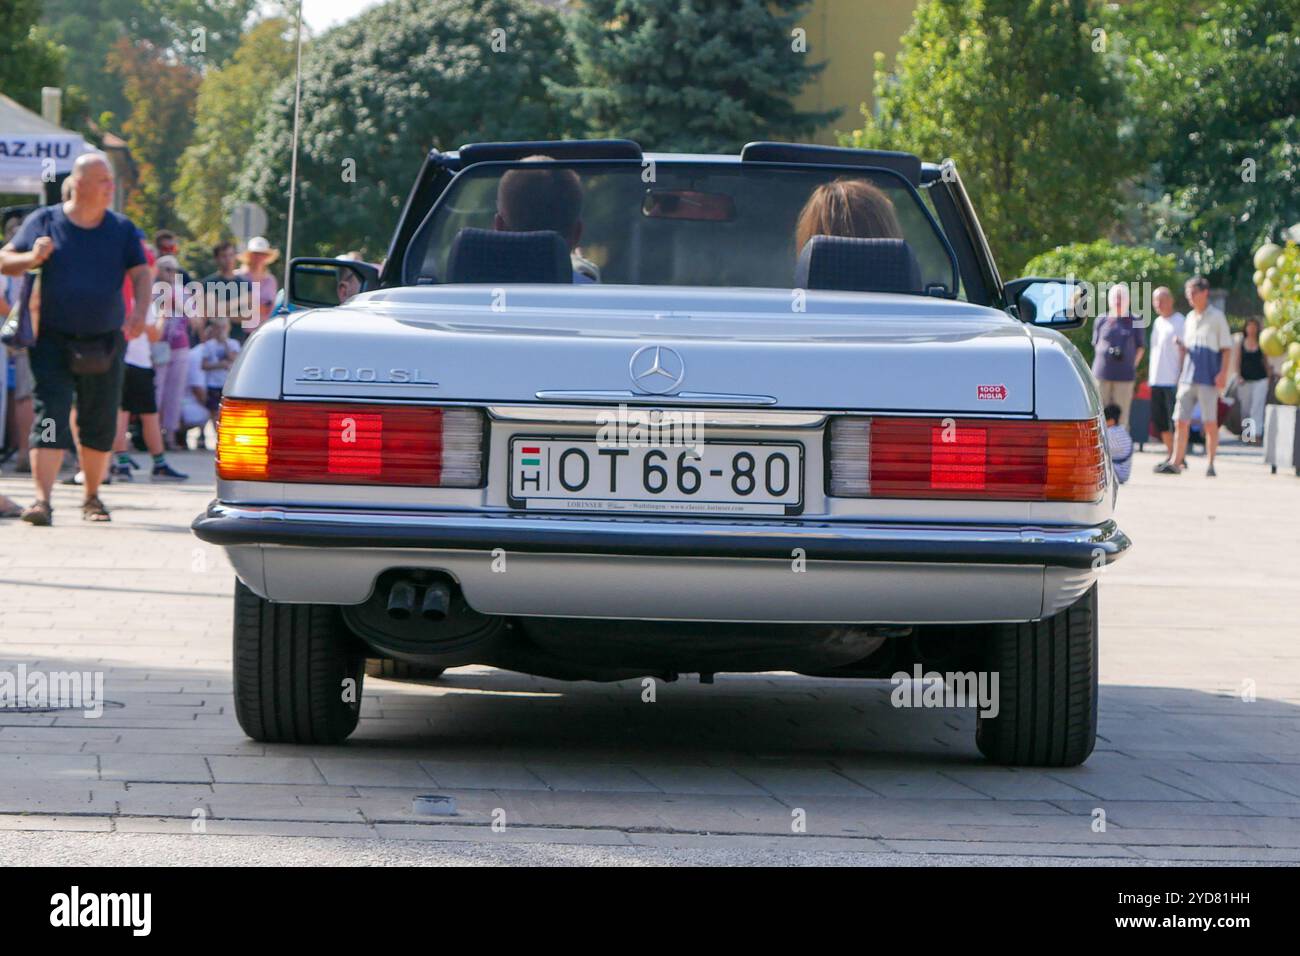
{"x": 1166, "y": 365}
{"x": 85, "y": 251}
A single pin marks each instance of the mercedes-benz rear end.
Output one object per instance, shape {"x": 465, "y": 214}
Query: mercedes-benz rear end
{"x": 615, "y": 479}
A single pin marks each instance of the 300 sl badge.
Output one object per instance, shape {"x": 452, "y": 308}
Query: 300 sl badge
{"x": 364, "y": 376}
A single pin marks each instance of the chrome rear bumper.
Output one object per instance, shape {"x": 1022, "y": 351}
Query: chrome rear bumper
{"x": 671, "y": 569}
{"x": 1073, "y": 547}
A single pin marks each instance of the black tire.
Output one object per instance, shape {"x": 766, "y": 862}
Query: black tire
{"x": 291, "y": 662}
{"x": 390, "y": 669}
{"x": 1047, "y": 689}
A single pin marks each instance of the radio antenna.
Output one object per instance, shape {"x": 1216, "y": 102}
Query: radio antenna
{"x": 293, "y": 149}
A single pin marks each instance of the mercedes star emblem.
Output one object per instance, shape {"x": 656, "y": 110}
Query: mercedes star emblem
{"x": 656, "y": 369}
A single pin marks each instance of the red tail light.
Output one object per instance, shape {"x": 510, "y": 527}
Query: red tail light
{"x": 967, "y": 458}
{"x": 350, "y": 444}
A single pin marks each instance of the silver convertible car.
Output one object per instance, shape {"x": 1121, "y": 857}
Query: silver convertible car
{"x": 607, "y": 415}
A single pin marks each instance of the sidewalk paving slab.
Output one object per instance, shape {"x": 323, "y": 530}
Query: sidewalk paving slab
{"x": 1185, "y": 768}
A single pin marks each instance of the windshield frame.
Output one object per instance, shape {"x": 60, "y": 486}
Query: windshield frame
{"x": 414, "y": 254}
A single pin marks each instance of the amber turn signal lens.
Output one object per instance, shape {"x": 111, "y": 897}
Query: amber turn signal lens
{"x": 361, "y": 444}
{"x": 243, "y": 441}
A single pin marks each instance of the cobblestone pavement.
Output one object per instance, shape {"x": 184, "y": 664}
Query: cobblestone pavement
{"x": 1199, "y": 756}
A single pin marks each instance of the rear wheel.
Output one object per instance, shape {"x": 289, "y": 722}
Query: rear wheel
{"x": 298, "y": 671}
{"x": 1047, "y": 689}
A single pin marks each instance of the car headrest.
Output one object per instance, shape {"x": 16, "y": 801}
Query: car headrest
{"x": 484, "y": 255}
{"x": 857, "y": 265}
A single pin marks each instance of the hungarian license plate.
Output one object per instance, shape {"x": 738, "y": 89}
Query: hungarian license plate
{"x": 717, "y": 477}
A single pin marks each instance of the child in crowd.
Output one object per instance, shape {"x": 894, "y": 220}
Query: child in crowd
{"x": 219, "y": 353}
{"x": 139, "y": 397}
{"x": 1119, "y": 442}
{"x": 194, "y": 406}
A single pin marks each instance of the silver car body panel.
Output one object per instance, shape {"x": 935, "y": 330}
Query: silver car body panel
{"x": 678, "y": 589}
{"x": 830, "y": 350}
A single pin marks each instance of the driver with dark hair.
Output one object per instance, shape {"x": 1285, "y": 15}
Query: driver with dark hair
{"x": 545, "y": 198}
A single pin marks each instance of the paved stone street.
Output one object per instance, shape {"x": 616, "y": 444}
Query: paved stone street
{"x": 1186, "y": 770}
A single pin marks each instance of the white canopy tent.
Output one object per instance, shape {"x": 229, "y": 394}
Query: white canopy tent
{"x": 33, "y": 151}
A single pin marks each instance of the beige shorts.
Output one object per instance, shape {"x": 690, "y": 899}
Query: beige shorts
{"x": 1190, "y": 395}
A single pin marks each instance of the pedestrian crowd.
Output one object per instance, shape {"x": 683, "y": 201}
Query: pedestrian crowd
{"x": 1197, "y": 371}
{"x": 115, "y": 339}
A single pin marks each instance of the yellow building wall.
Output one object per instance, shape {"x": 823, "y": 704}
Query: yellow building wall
{"x": 846, "y": 35}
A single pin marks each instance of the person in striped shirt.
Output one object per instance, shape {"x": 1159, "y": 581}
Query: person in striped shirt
{"x": 1206, "y": 345}
{"x": 1119, "y": 442}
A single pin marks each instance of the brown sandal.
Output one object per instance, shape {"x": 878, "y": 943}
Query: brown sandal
{"x": 38, "y": 513}
{"x": 92, "y": 509}
{"x": 8, "y": 509}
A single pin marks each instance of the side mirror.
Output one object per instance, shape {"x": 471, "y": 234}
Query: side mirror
{"x": 1056, "y": 303}
{"x": 324, "y": 283}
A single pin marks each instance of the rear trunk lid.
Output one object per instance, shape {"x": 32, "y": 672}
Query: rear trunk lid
{"x": 708, "y": 347}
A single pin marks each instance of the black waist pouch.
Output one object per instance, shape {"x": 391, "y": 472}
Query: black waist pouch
{"x": 91, "y": 354}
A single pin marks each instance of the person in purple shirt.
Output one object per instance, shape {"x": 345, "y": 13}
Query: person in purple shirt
{"x": 170, "y": 376}
{"x": 1118, "y": 346}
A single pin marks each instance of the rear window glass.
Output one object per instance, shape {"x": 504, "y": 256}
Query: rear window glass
{"x": 681, "y": 223}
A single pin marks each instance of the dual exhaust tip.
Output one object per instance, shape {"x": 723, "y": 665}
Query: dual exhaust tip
{"x": 433, "y": 601}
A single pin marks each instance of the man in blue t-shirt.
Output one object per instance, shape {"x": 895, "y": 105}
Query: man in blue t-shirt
{"x": 85, "y": 251}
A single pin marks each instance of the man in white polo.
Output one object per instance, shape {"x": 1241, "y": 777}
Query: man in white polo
{"x": 1165, "y": 367}
{"x": 1206, "y": 347}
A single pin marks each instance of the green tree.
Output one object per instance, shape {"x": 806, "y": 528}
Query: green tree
{"x": 381, "y": 90}
{"x": 1024, "y": 97}
{"x": 690, "y": 75}
{"x": 92, "y": 27}
{"x": 160, "y": 94}
{"x": 1216, "y": 92}
{"x": 203, "y": 33}
{"x": 29, "y": 58}
{"x": 229, "y": 103}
